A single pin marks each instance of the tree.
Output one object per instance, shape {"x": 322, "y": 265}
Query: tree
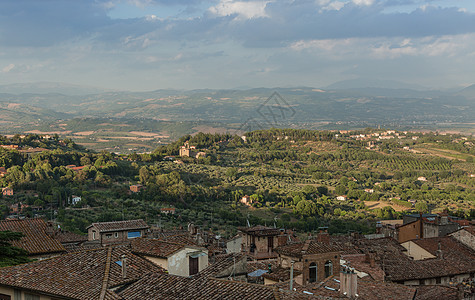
{"x": 11, "y": 255}
{"x": 340, "y": 189}
{"x": 306, "y": 208}
{"x": 422, "y": 207}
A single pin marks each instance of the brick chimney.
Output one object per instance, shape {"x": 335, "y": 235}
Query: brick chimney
{"x": 348, "y": 282}
{"x": 370, "y": 259}
{"x": 323, "y": 236}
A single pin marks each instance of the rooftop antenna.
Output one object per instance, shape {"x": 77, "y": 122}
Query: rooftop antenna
{"x": 248, "y": 225}
{"x": 275, "y": 220}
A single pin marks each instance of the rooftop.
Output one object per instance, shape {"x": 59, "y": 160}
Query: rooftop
{"x": 307, "y": 247}
{"x": 154, "y": 247}
{"x": 260, "y": 230}
{"x": 120, "y": 225}
{"x": 181, "y": 288}
{"x": 35, "y": 240}
{"x": 81, "y": 275}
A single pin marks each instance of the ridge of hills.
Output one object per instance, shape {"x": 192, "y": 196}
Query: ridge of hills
{"x": 172, "y": 113}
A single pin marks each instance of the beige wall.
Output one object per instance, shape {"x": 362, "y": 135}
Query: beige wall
{"x": 416, "y": 252}
{"x": 269, "y": 281}
{"x": 11, "y": 292}
{"x": 162, "y": 262}
{"x": 178, "y": 263}
{"x": 465, "y": 238}
{"x": 234, "y": 245}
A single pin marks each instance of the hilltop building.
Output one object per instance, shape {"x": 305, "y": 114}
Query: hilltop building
{"x": 190, "y": 151}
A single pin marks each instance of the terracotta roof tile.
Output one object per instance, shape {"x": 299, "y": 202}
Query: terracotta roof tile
{"x": 366, "y": 289}
{"x": 78, "y": 275}
{"x": 431, "y": 292}
{"x": 163, "y": 286}
{"x": 35, "y": 239}
{"x": 260, "y": 230}
{"x": 223, "y": 263}
{"x": 307, "y": 247}
{"x": 280, "y": 274}
{"x": 68, "y": 237}
{"x": 154, "y": 247}
{"x": 120, "y": 225}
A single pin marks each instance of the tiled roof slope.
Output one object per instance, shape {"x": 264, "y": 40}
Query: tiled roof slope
{"x": 120, "y": 225}
{"x": 184, "y": 238}
{"x": 398, "y": 266}
{"x": 155, "y": 247}
{"x": 305, "y": 248}
{"x": 280, "y": 274}
{"x": 260, "y": 230}
{"x": 432, "y": 292}
{"x": 77, "y": 275}
{"x": 68, "y": 237}
{"x": 163, "y": 286}
{"x": 450, "y": 247}
{"x": 35, "y": 239}
{"x": 223, "y": 263}
{"x": 366, "y": 289}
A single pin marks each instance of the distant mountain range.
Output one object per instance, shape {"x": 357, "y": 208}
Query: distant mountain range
{"x": 50, "y": 87}
{"x": 351, "y": 103}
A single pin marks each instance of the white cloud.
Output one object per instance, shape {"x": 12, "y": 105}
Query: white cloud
{"x": 363, "y": 2}
{"x": 330, "y": 5}
{"x": 244, "y": 10}
{"x": 327, "y": 45}
{"x": 8, "y": 68}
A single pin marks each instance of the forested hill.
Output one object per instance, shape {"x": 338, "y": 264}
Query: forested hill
{"x": 301, "y": 179}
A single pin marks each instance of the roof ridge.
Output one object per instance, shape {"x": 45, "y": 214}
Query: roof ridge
{"x": 106, "y": 274}
{"x": 108, "y": 222}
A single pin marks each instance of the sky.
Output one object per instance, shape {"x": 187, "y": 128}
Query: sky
{"x": 142, "y": 45}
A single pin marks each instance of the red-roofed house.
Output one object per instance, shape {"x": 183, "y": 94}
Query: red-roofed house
{"x": 116, "y": 232}
{"x": 136, "y": 188}
{"x": 259, "y": 241}
{"x": 167, "y": 210}
{"x": 314, "y": 259}
{"x": 6, "y": 191}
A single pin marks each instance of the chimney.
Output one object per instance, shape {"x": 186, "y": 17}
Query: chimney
{"x": 439, "y": 252}
{"x": 369, "y": 258}
{"x": 124, "y": 265}
{"x": 323, "y": 236}
{"x": 348, "y": 282}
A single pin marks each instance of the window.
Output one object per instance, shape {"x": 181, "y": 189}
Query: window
{"x": 93, "y": 235}
{"x": 5, "y": 297}
{"x": 133, "y": 234}
{"x": 421, "y": 282}
{"x": 108, "y": 236}
{"x": 116, "y": 235}
{"x": 438, "y": 280}
{"x": 312, "y": 272}
{"x": 328, "y": 268}
{"x": 193, "y": 265}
